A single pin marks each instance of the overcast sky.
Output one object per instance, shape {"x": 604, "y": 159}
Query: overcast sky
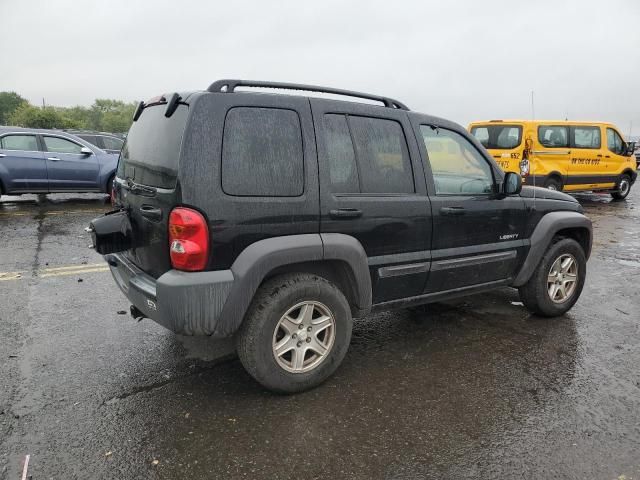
{"x": 463, "y": 60}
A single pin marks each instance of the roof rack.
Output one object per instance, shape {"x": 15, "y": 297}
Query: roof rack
{"x": 229, "y": 86}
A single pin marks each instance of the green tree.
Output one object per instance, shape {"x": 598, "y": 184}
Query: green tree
{"x": 9, "y": 102}
{"x": 111, "y": 115}
{"x": 27, "y": 115}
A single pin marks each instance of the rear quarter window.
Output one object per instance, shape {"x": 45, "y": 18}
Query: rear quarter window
{"x": 151, "y": 153}
{"x": 262, "y": 153}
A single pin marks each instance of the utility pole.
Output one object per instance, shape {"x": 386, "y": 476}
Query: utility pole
{"x": 43, "y": 104}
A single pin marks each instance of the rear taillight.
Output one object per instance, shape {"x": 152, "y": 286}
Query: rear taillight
{"x": 188, "y": 239}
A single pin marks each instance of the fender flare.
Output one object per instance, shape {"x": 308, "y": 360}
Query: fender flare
{"x": 260, "y": 258}
{"x": 547, "y": 227}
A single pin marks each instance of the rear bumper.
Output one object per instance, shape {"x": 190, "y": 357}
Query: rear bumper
{"x": 188, "y": 303}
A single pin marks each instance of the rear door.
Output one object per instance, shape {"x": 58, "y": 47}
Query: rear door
{"x": 504, "y": 142}
{"x": 477, "y": 235}
{"x": 68, "y": 168}
{"x": 372, "y": 187}
{"x": 146, "y": 184}
{"x": 22, "y": 163}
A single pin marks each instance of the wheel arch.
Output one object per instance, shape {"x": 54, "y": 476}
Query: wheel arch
{"x": 556, "y": 175}
{"x": 567, "y": 224}
{"x": 339, "y": 257}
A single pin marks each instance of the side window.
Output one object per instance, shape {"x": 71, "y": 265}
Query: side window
{"x": 25, "y": 143}
{"x": 262, "y": 153}
{"x": 457, "y": 167}
{"x": 553, "y": 136}
{"x": 92, "y": 139}
{"x": 61, "y": 145}
{"x": 482, "y": 134}
{"x": 614, "y": 142}
{"x": 382, "y": 155}
{"x": 341, "y": 156}
{"x": 112, "y": 143}
{"x": 586, "y": 137}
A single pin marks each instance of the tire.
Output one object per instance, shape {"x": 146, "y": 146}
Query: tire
{"x": 265, "y": 327}
{"x": 553, "y": 183}
{"x": 622, "y": 188}
{"x": 536, "y": 293}
{"x": 110, "y": 184}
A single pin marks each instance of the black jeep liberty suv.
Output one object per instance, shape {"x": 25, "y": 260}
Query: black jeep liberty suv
{"x": 278, "y": 218}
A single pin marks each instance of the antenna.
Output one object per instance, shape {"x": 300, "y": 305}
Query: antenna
{"x": 533, "y": 110}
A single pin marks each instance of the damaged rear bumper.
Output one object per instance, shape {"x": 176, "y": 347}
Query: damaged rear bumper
{"x": 187, "y": 303}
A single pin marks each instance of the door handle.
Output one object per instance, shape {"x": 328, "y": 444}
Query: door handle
{"x": 152, "y": 213}
{"x": 452, "y": 211}
{"x": 345, "y": 213}
{"x": 606, "y": 156}
{"x": 53, "y": 159}
{"x": 599, "y": 155}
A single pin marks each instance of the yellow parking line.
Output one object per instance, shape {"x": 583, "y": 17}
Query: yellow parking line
{"x": 52, "y": 212}
{"x": 57, "y": 271}
{"x": 74, "y": 272}
{"x": 10, "y": 276}
{"x": 74, "y": 267}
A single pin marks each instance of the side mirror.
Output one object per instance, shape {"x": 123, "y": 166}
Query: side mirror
{"x": 630, "y": 148}
{"x": 86, "y": 151}
{"x": 512, "y": 183}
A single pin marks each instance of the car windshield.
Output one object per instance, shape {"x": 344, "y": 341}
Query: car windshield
{"x": 498, "y": 137}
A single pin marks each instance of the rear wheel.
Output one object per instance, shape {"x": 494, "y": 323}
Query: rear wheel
{"x": 622, "y": 188}
{"x": 553, "y": 183}
{"x": 110, "y": 185}
{"x": 557, "y": 282}
{"x": 295, "y": 333}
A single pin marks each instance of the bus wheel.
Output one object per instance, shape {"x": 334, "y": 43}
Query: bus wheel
{"x": 553, "y": 183}
{"x": 623, "y": 188}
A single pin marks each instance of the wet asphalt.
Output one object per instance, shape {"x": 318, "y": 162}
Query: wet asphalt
{"x": 475, "y": 388}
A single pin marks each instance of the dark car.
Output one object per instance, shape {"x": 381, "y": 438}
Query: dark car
{"x": 51, "y": 161}
{"x": 108, "y": 142}
{"x": 279, "y": 218}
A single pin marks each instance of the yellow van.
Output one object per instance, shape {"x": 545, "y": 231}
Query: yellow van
{"x": 561, "y": 155}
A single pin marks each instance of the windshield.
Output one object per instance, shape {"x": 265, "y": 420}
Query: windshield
{"x": 151, "y": 151}
{"x": 498, "y": 137}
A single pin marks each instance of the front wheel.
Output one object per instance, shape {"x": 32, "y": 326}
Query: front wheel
{"x": 623, "y": 188}
{"x": 557, "y": 282}
{"x": 295, "y": 333}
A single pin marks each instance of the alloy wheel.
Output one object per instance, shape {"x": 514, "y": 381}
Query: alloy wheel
{"x": 562, "y": 278}
{"x": 304, "y": 337}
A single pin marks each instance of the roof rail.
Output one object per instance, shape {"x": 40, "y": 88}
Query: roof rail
{"x": 229, "y": 86}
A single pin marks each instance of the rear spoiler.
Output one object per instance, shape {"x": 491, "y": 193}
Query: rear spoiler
{"x": 172, "y": 105}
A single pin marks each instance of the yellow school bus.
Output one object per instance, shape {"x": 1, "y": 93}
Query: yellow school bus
{"x": 560, "y": 154}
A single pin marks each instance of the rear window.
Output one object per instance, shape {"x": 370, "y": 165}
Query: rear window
{"x": 151, "y": 152}
{"x": 262, "y": 153}
{"x": 498, "y": 137}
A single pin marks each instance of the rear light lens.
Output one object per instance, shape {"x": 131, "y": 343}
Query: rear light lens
{"x": 188, "y": 240}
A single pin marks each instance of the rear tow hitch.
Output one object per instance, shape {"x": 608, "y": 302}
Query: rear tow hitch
{"x": 136, "y": 313}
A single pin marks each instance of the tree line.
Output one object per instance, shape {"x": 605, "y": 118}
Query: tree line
{"x": 104, "y": 115}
